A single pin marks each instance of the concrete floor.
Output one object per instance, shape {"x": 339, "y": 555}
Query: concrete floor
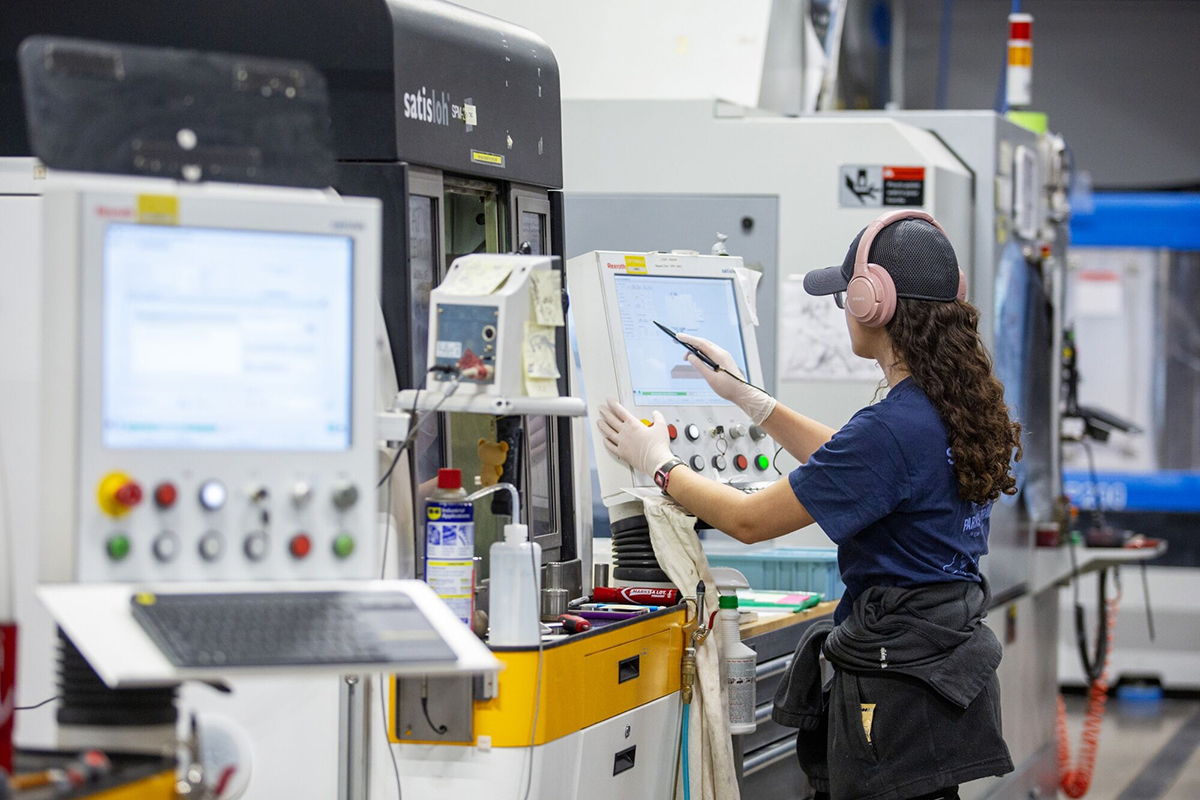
{"x": 1145, "y": 751}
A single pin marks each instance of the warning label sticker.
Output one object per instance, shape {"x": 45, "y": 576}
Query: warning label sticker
{"x": 870, "y": 186}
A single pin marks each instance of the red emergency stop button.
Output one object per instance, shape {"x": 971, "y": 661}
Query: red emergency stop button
{"x": 300, "y": 546}
{"x": 117, "y": 494}
{"x": 165, "y": 495}
{"x": 673, "y": 431}
{"x": 741, "y": 462}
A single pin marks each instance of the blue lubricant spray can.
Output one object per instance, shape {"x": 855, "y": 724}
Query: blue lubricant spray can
{"x": 450, "y": 544}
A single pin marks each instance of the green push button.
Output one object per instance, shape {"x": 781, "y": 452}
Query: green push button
{"x": 117, "y": 546}
{"x": 762, "y": 462}
{"x": 343, "y": 546}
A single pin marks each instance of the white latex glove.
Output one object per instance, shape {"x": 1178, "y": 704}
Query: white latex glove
{"x": 643, "y": 447}
{"x": 757, "y": 404}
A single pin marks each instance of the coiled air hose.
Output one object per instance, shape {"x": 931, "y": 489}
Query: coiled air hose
{"x": 1076, "y": 781}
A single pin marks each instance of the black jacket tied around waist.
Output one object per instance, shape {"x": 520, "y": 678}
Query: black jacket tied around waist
{"x": 914, "y": 702}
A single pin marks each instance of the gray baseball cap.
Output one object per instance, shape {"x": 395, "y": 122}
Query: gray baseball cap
{"x": 915, "y": 253}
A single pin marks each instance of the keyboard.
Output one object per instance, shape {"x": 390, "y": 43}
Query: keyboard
{"x": 278, "y": 629}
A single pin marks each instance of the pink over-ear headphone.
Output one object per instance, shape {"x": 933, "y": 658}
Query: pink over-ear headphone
{"x": 871, "y": 294}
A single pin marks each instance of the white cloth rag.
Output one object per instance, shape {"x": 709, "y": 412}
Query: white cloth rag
{"x": 710, "y": 748}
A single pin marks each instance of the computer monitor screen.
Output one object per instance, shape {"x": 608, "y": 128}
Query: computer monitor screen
{"x": 658, "y": 371}
{"x": 226, "y": 339}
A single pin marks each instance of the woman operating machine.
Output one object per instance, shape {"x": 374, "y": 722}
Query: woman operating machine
{"x": 905, "y": 490}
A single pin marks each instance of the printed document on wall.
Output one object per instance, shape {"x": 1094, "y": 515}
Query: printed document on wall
{"x": 814, "y": 343}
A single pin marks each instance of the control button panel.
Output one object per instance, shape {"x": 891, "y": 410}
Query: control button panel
{"x": 721, "y": 446}
{"x": 202, "y": 525}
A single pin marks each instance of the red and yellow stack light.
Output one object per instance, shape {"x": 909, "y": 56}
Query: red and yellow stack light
{"x": 1019, "y": 83}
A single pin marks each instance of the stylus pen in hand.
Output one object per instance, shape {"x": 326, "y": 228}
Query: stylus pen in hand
{"x": 714, "y": 366}
{"x": 697, "y": 352}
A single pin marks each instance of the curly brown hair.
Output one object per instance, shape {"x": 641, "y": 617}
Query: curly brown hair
{"x": 939, "y": 345}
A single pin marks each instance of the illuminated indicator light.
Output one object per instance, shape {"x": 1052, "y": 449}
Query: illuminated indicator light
{"x": 741, "y": 462}
{"x": 1020, "y": 55}
{"x": 692, "y": 432}
{"x": 673, "y": 432}
{"x": 213, "y": 495}
{"x": 1020, "y": 26}
{"x": 165, "y": 495}
{"x": 117, "y": 546}
{"x": 300, "y": 546}
{"x": 762, "y": 462}
{"x": 117, "y": 494}
{"x": 343, "y": 546}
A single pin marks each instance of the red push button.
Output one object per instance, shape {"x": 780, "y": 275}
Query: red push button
{"x": 165, "y": 495}
{"x": 300, "y": 546}
{"x": 673, "y": 431}
{"x": 741, "y": 462}
{"x": 117, "y": 494}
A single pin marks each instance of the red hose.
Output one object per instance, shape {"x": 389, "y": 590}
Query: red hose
{"x": 1075, "y": 782}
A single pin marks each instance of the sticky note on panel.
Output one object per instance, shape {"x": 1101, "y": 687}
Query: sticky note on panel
{"x": 546, "y": 287}
{"x": 476, "y": 276}
{"x": 538, "y": 352}
{"x": 541, "y": 387}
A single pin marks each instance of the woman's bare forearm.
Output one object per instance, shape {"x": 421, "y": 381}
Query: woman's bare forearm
{"x": 796, "y": 433}
{"x": 749, "y": 518}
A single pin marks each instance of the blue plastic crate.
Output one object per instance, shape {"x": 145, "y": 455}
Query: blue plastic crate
{"x": 796, "y": 569}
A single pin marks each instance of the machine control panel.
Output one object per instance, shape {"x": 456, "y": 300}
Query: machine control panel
{"x": 216, "y": 360}
{"x": 622, "y": 354}
{"x": 175, "y": 527}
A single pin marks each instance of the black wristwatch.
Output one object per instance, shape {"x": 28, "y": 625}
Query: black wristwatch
{"x": 662, "y": 475}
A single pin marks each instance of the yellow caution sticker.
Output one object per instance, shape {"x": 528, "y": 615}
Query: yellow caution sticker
{"x": 145, "y": 598}
{"x": 635, "y": 265}
{"x": 491, "y": 159}
{"x": 158, "y": 209}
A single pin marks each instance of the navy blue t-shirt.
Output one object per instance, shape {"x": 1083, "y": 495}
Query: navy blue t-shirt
{"x": 884, "y": 489}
